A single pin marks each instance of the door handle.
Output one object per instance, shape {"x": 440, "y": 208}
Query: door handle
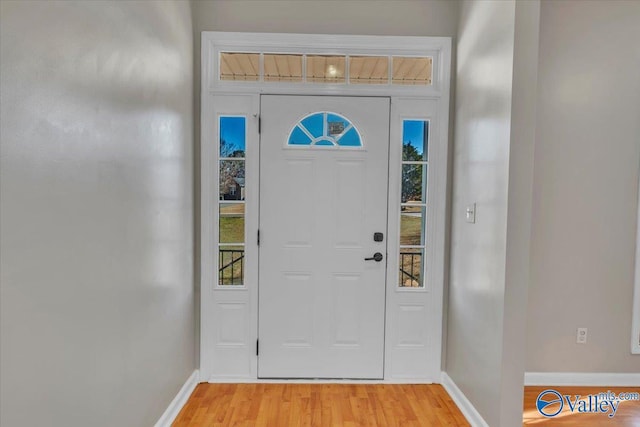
{"x": 377, "y": 257}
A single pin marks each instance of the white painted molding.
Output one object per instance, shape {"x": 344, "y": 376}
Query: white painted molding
{"x": 179, "y": 401}
{"x": 224, "y": 97}
{"x": 438, "y": 48}
{"x": 466, "y": 407}
{"x": 244, "y": 380}
{"x": 582, "y": 379}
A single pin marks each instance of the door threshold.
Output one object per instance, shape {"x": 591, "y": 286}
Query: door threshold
{"x": 314, "y": 380}
{"x": 213, "y": 380}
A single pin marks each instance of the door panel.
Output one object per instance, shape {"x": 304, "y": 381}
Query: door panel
{"x": 321, "y": 305}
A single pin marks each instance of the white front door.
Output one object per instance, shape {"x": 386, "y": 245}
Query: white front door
{"x": 323, "y": 198}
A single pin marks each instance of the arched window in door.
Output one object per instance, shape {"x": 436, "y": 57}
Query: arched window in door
{"x": 324, "y": 129}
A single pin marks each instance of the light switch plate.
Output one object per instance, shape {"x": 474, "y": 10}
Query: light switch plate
{"x": 470, "y": 213}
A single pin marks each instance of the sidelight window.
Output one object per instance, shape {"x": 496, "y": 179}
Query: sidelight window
{"x": 231, "y": 200}
{"x": 413, "y": 203}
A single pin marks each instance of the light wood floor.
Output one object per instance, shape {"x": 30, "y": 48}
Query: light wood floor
{"x": 284, "y": 405}
{"x": 627, "y": 415}
{"x": 331, "y": 405}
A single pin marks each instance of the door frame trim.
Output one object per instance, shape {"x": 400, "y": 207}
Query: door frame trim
{"x": 225, "y": 98}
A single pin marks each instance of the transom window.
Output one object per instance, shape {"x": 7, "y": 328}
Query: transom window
{"x": 324, "y": 129}
{"x": 332, "y": 69}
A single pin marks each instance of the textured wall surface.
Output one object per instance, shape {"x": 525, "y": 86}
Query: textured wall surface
{"x": 585, "y": 187}
{"x": 481, "y": 176}
{"x": 96, "y": 211}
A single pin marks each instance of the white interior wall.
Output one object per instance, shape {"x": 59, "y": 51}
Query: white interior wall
{"x": 115, "y": 100}
{"x": 480, "y": 175}
{"x": 96, "y": 215}
{"x": 585, "y": 188}
{"x": 520, "y": 194}
{"x": 493, "y": 168}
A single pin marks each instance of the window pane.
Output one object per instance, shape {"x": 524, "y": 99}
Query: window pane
{"x": 231, "y": 265}
{"x": 231, "y": 228}
{"x": 411, "y": 71}
{"x": 240, "y": 66}
{"x": 232, "y": 136}
{"x": 350, "y": 139}
{"x": 232, "y": 180}
{"x": 325, "y": 69}
{"x": 412, "y": 225}
{"x": 415, "y": 136}
{"x": 411, "y": 268}
{"x": 314, "y": 124}
{"x": 336, "y": 124}
{"x": 325, "y": 129}
{"x": 298, "y": 137}
{"x": 369, "y": 69}
{"x": 414, "y": 183}
{"x": 282, "y": 68}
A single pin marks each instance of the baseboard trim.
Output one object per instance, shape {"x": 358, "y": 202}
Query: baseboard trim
{"x": 466, "y": 407}
{"x": 172, "y": 411}
{"x": 582, "y": 379}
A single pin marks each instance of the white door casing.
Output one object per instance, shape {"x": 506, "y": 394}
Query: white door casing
{"x": 229, "y": 314}
{"x": 321, "y": 305}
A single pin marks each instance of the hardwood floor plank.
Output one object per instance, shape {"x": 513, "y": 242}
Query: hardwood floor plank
{"x": 330, "y": 405}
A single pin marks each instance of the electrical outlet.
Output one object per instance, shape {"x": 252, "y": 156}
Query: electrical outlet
{"x": 582, "y": 336}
